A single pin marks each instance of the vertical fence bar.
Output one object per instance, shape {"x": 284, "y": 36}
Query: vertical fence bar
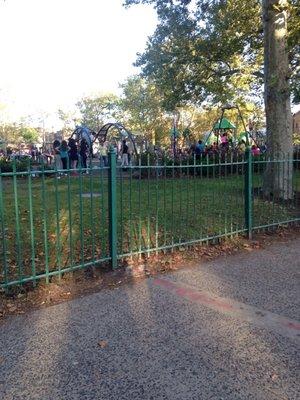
{"x": 45, "y": 225}
{"x": 71, "y": 250}
{"x": 103, "y": 217}
{"x": 130, "y": 247}
{"x": 92, "y": 216}
{"x": 32, "y": 234}
{"x": 187, "y": 222}
{"x": 212, "y": 187}
{"x": 248, "y": 193}
{"x": 277, "y": 187}
{"x": 140, "y": 207}
{"x": 226, "y": 185}
{"x": 202, "y": 192}
{"x": 172, "y": 203}
{"x": 58, "y": 239}
{"x": 18, "y": 227}
{"x": 121, "y": 209}
{"x": 165, "y": 200}
{"x": 230, "y": 176}
{"x": 4, "y": 244}
{"x": 194, "y": 192}
{"x": 112, "y": 198}
{"x": 81, "y": 228}
{"x": 179, "y": 237}
{"x": 220, "y": 218}
{"x": 148, "y": 205}
{"x": 156, "y": 203}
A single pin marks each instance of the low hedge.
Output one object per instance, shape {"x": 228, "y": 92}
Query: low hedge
{"x": 8, "y": 165}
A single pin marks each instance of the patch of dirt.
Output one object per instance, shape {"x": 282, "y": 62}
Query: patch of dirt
{"x": 19, "y": 300}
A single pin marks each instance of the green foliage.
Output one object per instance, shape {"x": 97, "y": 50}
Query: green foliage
{"x": 141, "y": 109}
{"x": 141, "y": 105}
{"x": 296, "y": 139}
{"x": 28, "y": 134}
{"x": 294, "y": 45}
{"x": 16, "y": 134}
{"x": 211, "y": 51}
{"x": 69, "y": 120}
{"x": 7, "y": 165}
{"x": 97, "y": 110}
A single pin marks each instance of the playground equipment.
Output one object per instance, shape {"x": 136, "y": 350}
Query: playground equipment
{"x": 122, "y": 133}
{"x": 83, "y": 132}
{"x": 223, "y": 125}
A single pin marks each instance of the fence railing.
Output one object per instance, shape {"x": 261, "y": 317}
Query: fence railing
{"x": 54, "y": 221}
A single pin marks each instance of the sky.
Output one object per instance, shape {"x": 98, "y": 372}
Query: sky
{"x": 53, "y": 52}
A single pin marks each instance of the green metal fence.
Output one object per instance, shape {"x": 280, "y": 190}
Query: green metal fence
{"x": 56, "y": 221}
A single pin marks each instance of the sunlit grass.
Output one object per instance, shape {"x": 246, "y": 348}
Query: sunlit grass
{"x": 68, "y": 229}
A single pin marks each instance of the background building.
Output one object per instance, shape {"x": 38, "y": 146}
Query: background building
{"x": 296, "y": 122}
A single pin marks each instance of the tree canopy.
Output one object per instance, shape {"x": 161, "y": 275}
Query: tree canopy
{"x": 212, "y": 50}
{"x": 141, "y": 108}
{"x": 16, "y": 134}
{"x": 95, "y": 110}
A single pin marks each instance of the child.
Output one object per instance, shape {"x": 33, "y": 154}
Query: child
{"x": 255, "y": 150}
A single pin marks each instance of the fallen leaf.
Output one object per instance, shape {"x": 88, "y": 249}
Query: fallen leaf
{"x": 102, "y": 344}
{"x": 11, "y": 308}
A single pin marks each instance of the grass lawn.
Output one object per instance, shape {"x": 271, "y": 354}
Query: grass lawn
{"x": 151, "y": 213}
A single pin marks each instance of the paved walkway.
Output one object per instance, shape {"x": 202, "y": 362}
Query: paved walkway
{"x": 225, "y": 330}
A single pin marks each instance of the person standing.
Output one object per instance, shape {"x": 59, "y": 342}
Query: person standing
{"x": 103, "y": 154}
{"x": 83, "y": 153}
{"x": 56, "y": 151}
{"x": 73, "y": 153}
{"x": 199, "y": 150}
{"x": 63, "y": 150}
{"x": 124, "y": 154}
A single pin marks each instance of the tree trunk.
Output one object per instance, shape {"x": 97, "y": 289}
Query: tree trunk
{"x": 278, "y": 176}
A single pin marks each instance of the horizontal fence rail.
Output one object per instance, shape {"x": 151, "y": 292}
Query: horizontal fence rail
{"x": 54, "y": 221}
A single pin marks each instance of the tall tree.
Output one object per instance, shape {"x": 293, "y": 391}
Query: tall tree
{"x": 141, "y": 104}
{"x": 69, "y": 120}
{"x": 209, "y": 52}
{"x": 224, "y": 50}
{"x": 277, "y": 96}
{"x": 96, "y": 110}
{"x": 212, "y": 50}
{"x": 17, "y": 133}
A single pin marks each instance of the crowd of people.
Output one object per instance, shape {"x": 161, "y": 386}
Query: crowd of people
{"x": 74, "y": 155}
{"x": 19, "y": 154}
{"x": 70, "y": 154}
{"x": 201, "y": 149}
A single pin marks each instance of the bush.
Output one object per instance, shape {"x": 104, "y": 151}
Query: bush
{"x": 210, "y": 166}
{"x": 7, "y": 165}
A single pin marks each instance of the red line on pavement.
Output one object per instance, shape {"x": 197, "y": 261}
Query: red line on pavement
{"x": 193, "y": 295}
{"x": 243, "y": 311}
{"x": 291, "y": 325}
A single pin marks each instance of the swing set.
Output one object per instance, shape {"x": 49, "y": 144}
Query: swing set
{"x": 223, "y": 126}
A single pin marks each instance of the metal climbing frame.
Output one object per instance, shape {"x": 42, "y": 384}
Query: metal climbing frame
{"x": 101, "y": 136}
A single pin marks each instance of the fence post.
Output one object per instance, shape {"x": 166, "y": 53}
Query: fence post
{"x": 248, "y": 192}
{"x": 112, "y": 206}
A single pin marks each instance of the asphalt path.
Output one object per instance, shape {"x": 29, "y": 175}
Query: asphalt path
{"x": 228, "y": 329}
